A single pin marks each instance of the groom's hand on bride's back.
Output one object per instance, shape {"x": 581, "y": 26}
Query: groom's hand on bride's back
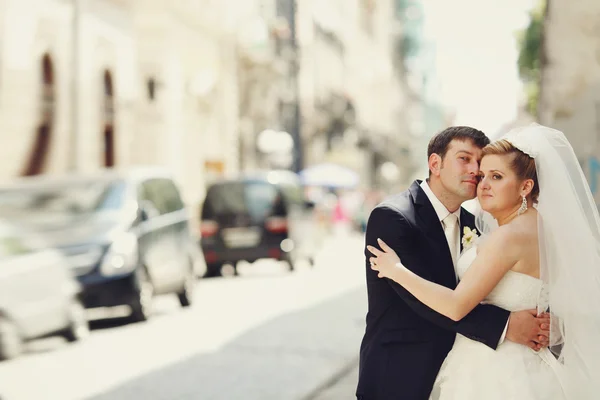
{"x": 529, "y": 329}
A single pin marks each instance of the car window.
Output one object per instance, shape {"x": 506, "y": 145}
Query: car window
{"x": 293, "y": 193}
{"x": 255, "y": 199}
{"x": 163, "y": 195}
{"x": 172, "y": 200}
{"x": 69, "y": 198}
{"x": 113, "y": 198}
{"x": 149, "y": 192}
{"x": 262, "y": 200}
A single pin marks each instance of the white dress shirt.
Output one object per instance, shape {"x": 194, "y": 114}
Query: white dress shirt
{"x": 442, "y": 212}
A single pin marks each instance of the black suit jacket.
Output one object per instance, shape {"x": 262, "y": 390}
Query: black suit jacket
{"x": 405, "y": 341}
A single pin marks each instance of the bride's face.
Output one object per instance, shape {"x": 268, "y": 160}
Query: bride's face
{"x": 498, "y": 190}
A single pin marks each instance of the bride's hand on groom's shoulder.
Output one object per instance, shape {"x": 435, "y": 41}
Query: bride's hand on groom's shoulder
{"x": 384, "y": 261}
{"x": 529, "y": 329}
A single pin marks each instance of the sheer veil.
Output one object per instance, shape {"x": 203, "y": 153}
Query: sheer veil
{"x": 569, "y": 241}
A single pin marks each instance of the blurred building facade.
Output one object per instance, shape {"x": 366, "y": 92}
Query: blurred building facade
{"x": 570, "y": 84}
{"x": 193, "y": 86}
{"x": 89, "y": 84}
{"x": 352, "y": 95}
{"x": 325, "y": 73}
{"x": 261, "y": 76}
{"x": 39, "y": 74}
{"x": 424, "y": 113}
{"x": 187, "y": 108}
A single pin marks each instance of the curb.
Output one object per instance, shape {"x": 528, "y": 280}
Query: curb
{"x": 333, "y": 379}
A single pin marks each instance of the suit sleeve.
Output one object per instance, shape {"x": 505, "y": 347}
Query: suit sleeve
{"x": 484, "y": 324}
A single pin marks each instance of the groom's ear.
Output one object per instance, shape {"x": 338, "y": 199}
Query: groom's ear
{"x": 435, "y": 164}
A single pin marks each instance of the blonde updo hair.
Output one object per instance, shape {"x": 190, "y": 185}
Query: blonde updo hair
{"x": 522, "y": 165}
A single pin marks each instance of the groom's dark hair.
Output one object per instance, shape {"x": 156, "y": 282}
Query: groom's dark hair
{"x": 439, "y": 143}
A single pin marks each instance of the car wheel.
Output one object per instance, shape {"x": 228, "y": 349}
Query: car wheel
{"x": 236, "y": 271}
{"x": 213, "y": 270}
{"x": 78, "y": 328}
{"x": 290, "y": 259}
{"x": 141, "y": 305}
{"x": 11, "y": 342}
{"x": 187, "y": 292}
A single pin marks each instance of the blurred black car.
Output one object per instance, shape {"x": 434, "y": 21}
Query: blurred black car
{"x": 126, "y": 234}
{"x": 254, "y": 217}
{"x": 38, "y": 295}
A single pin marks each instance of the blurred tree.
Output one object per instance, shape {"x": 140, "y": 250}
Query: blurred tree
{"x": 530, "y": 42}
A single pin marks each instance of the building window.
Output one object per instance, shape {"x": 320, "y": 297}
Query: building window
{"x": 151, "y": 86}
{"x": 41, "y": 146}
{"x": 108, "y": 130}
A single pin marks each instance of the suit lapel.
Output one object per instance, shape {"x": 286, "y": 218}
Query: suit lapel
{"x": 430, "y": 224}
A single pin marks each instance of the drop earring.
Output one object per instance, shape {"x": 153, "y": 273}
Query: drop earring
{"x": 523, "y": 207}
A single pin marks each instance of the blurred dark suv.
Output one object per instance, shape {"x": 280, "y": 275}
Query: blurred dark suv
{"x": 125, "y": 234}
{"x": 264, "y": 215}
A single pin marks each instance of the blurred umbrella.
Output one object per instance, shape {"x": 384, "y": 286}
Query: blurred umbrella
{"x": 329, "y": 175}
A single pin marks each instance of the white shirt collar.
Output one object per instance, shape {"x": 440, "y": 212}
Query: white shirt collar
{"x": 440, "y": 209}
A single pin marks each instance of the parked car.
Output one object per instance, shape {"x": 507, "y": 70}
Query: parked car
{"x": 263, "y": 215}
{"x": 126, "y": 234}
{"x": 38, "y": 295}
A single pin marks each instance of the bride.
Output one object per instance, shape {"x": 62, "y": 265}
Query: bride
{"x": 540, "y": 249}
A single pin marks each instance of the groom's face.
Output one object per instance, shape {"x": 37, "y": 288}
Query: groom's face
{"x": 460, "y": 169}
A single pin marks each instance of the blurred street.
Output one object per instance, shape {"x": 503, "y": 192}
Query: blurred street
{"x": 344, "y": 387}
{"x": 268, "y": 334}
{"x": 184, "y": 186}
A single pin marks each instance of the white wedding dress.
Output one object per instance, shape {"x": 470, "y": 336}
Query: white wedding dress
{"x": 473, "y": 371}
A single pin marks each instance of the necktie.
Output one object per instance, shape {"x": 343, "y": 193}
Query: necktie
{"x": 451, "y": 231}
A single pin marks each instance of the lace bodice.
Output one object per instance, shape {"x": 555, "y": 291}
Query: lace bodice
{"x": 515, "y": 292}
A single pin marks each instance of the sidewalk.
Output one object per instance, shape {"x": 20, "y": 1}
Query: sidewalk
{"x": 290, "y": 357}
{"x": 343, "y": 388}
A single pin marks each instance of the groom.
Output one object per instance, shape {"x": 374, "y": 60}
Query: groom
{"x": 405, "y": 342}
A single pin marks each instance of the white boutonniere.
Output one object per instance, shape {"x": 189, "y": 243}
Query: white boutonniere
{"x": 469, "y": 238}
